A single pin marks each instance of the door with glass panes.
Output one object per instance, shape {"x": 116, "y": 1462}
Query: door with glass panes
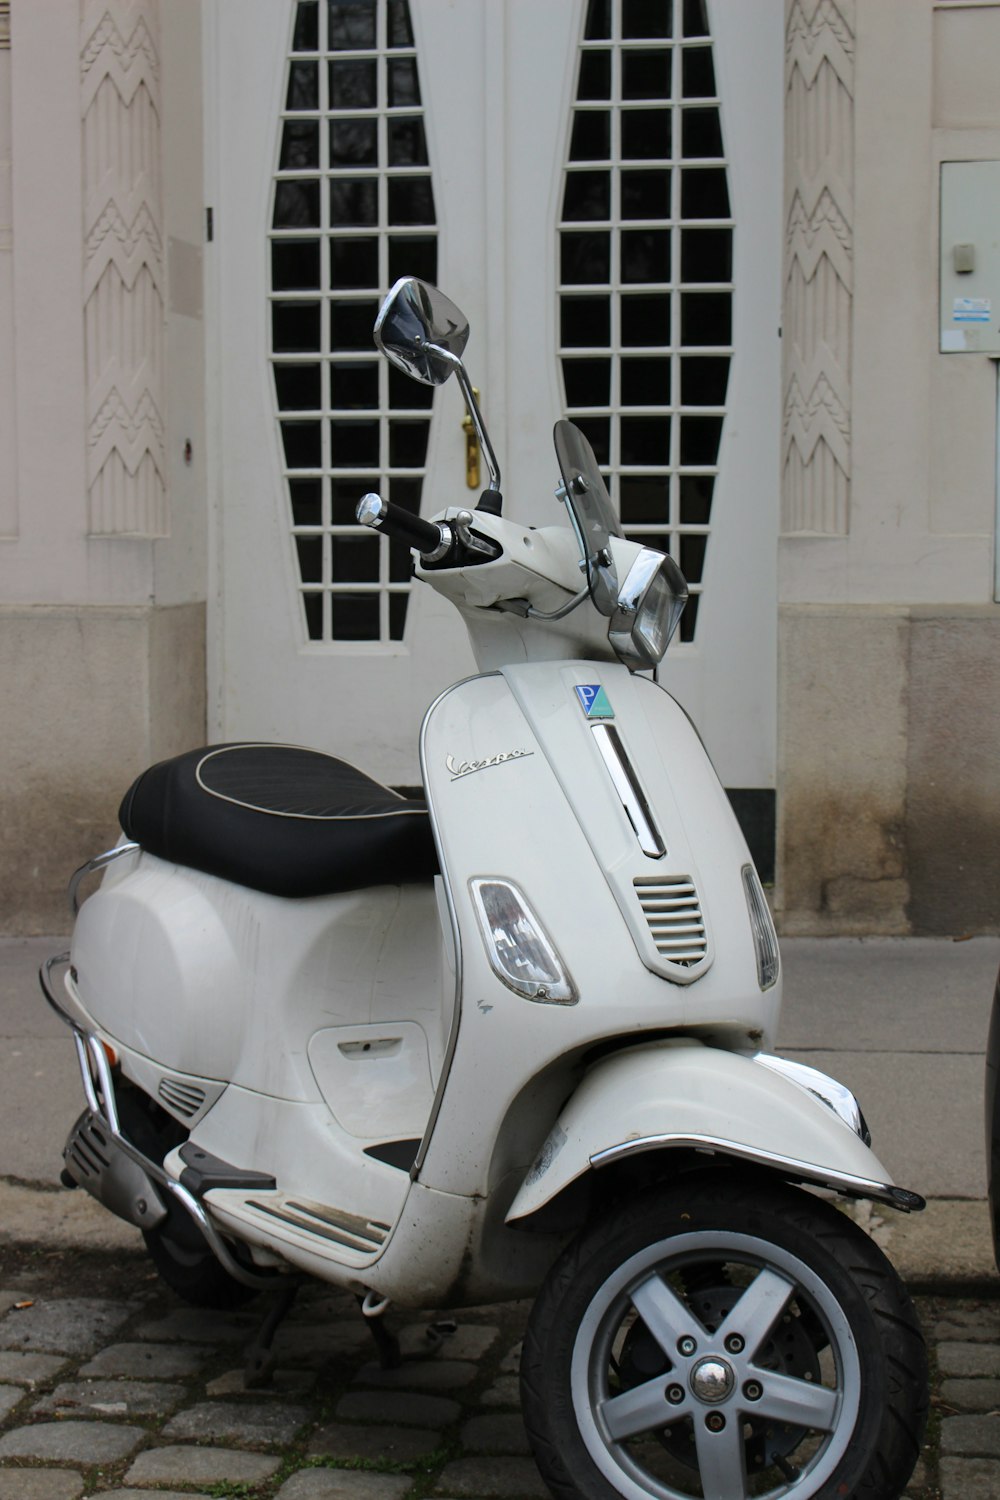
{"x": 597, "y": 183}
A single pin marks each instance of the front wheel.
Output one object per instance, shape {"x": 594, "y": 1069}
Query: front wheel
{"x": 724, "y": 1339}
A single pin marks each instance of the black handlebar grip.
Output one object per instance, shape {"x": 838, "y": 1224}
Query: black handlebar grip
{"x": 426, "y": 536}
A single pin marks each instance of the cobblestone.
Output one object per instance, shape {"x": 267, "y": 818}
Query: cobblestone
{"x": 133, "y": 1395}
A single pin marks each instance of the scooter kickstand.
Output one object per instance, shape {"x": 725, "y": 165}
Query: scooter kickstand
{"x": 260, "y": 1357}
{"x": 390, "y": 1356}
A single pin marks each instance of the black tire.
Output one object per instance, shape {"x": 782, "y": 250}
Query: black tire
{"x": 827, "y": 1398}
{"x": 176, "y": 1247}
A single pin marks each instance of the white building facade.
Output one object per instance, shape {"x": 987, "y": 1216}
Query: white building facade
{"x": 709, "y": 230}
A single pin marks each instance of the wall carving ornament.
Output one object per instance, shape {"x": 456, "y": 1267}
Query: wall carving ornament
{"x": 123, "y": 285}
{"x": 818, "y": 271}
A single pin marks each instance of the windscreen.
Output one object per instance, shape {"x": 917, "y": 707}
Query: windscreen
{"x": 595, "y": 521}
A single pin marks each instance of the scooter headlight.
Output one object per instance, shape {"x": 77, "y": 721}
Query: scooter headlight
{"x": 650, "y": 604}
{"x": 521, "y": 952}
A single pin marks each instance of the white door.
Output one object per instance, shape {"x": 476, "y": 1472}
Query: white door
{"x": 598, "y": 184}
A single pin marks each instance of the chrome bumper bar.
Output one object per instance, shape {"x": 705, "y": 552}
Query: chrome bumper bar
{"x": 99, "y": 1090}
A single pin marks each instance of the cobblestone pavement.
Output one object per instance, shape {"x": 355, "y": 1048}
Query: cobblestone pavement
{"x": 111, "y": 1386}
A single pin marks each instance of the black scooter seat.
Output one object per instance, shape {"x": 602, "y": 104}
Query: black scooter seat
{"x": 280, "y": 819}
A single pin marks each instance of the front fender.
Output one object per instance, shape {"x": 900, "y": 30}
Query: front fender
{"x": 680, "y": 1094}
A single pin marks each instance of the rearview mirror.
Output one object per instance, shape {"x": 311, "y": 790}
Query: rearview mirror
{"x": 421, "y": 331}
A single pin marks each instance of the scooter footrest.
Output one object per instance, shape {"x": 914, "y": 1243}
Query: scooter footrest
{"x": 203, "y": 1172}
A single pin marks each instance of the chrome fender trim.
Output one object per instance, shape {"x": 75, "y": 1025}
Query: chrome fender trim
{"x": 681, "y": 1094}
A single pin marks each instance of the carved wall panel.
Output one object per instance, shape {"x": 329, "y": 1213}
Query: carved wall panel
{"x": 123, "y": 286}
{"x": 818, "y": 273}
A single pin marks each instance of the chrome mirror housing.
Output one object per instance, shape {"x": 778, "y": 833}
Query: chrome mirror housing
{"x": 421, "y": 331}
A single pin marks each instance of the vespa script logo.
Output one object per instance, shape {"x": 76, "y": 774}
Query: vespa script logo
{"x": 467, "y": 767}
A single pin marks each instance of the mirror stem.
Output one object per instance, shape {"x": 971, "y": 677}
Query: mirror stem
{"x": 483, "y": 435}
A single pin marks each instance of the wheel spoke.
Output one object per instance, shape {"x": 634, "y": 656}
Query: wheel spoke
{"x": 644, "y": 1408}
{"x": 798, "y": 1402}
{"x": 721, "y": 1461}
{"x": 757, "y": 1311}
{"x": 664, "y": 1314}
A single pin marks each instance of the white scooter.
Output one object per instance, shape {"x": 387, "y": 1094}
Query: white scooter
{"x": 514, "y": 1041}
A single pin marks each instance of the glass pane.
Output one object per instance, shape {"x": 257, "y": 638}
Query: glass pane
{"x": 645, "y": 440}
{"x": 588, "y": 382}
{"x": 692, "y": 558}
{"x": 406, "y": 394}
{"x": 408, "y": 444}
{"x": 303, "y": 86}
{"x": 397, "y": 615}
{"x": 354, "y": 443}
{"x": 351, "y": 25}
{"x": 585, "y": 322}
{"x": 353, "y": 143}
{"x": 299, "y": 146}
{"x": 698, "y": 72}
{"x": 704, "y": 194}
{"x": 296, "y": 205}
{"x": 306, "y": 35}
{"x": 404, "y": 88}
{"x": 355, "y": 559}
{"x": 302, "y": 443}
{"x": 352, "y": 84}
{"x": 354, "y": 201}
{"x": 313, "y": 606}
{"x": 354, "y": 385}
{"x": 646, "y": 18}
{"x": 294, "y": 265}
{"x": 696, "y": 498}
{"x": 306, "y": 496}
{"x": 354, "y": 617}
{"x": 294, "y": 327}
{"x": 591, "y": 139}
{"x": 298, "y": 387}
{"x": 646, "y": 74}
{"x": 412, "y": 255}
{"x": 400, "y": 561}
{"x": 400, "y": 31}
{"x": 354, "y": 262}
{"x": 598, "y": 24}
{"x": 645, "y": 134}
{"x": 695, "y": 19}
{"x": 644, "y": 501}
{"x": 704, "y": 381}
{"x": 411, "y": 200}
{"x": 645, "y": 195}
{"x": 351, "y": 324}
{"x": 707, "y": 255}
{"x": 689, "y": 620}
{"x": 587, "y": 196}
{"x": 706, "y": 318}
{"x": 645, "y": 382}
{"x": 344, "y": 497}
{"x": 407, "y": 142}
{"x": 585, "y": 258}
{"x": 310, "y": 553}
{"x": 701, "y": 132}
{"x": 597, "y": 431}
{"x": 700, "y": 440}
{"x": 595, "y": 76}
{"x": 406, "y": 492}
{"x": 645, "y": 320}
{"x": 645, "y": 255}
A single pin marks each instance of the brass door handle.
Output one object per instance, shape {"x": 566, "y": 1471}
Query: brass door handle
{"x": 471, "y": 447}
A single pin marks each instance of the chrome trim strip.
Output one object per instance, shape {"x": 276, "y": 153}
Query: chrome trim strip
{"x": 630, "y": 793}
{"x": 91, "y": 867}
{"x": 863, "y": 1187}
{"x": 835, "y": 1095}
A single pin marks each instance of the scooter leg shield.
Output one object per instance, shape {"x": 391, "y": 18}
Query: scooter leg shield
{"x": 680, "y": 1094}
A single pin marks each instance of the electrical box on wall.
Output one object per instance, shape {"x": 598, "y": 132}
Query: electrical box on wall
{"x": 970, "y": 257}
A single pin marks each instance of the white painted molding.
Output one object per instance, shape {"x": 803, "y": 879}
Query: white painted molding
{"x": 819, "y": 266}
{"x": 123, "y": 257}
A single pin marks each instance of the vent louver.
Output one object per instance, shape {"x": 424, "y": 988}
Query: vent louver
{"x": 183, "y": 1098}
{"x": 673, "y": 914}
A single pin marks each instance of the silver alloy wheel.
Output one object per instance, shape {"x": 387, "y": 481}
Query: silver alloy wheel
{"x": 708, "y": 1384}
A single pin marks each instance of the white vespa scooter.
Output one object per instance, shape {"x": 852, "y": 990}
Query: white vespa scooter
{"x": 511, "y": 1042}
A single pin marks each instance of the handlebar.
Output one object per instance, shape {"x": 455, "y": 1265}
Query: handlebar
{"x": 432, "y": 539}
